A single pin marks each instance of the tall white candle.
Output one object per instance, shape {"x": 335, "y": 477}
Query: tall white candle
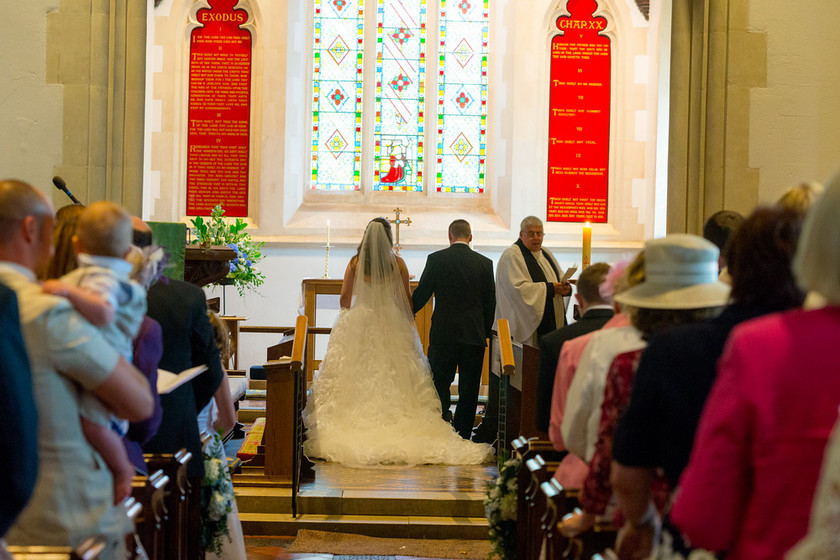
{"x": 587, "y": 245}
{"x": 328, "y": 233}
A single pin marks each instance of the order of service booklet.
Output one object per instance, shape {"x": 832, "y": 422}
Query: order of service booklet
{"x": 168, "y": 381}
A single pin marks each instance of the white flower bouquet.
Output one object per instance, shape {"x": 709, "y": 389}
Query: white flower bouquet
{"x": 500, "y": 509}
{"x": 216, "y": 497}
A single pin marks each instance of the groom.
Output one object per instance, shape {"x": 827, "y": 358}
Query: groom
{"x": 465, "y": 304}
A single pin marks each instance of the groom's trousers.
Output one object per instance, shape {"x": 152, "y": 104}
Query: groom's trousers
{"x": 467, "y": 359}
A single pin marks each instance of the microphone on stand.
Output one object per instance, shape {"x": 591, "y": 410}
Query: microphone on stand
{"x": 62, "y": 186}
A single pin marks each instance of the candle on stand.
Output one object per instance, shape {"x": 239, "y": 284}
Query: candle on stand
{"x": 587, "y": 245}
{"x": 328, "y": 233}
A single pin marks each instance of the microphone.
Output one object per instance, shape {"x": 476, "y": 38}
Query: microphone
{"x": 62, "y": 186}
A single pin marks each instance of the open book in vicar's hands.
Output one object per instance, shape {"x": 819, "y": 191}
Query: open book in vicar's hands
{"x": 569, "y": 273}
{"x": 168, "y": 381}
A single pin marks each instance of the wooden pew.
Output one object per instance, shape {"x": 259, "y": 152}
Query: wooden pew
{"x": 534, "y": 507}
{"x": 133, "y": 546}
{"x": 531, "y": 509}
{"x": 90, "y": 549}
{"x": 553, "y": 542}
{"x": 589, "y": 544}
{"x": 148, "y": 491}
{"x": 176, "y": 497}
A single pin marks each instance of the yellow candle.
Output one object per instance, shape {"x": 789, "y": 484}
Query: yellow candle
{"x": 587, "y": 245}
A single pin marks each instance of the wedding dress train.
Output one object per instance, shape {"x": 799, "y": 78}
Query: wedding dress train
{"x": 373, "y": 401}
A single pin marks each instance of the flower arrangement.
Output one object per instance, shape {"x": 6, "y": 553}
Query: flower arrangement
{"x": 216, "y": 497}
{"x": 500, "y": 509}
{"x": 244, "y": 273}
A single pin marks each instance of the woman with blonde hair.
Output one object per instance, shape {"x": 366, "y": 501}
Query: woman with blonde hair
{"x": 64, "y": 257}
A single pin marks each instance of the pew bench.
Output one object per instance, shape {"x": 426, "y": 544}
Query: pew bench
{"x": 177, "y": 496}
{"x": 148, "y": 491}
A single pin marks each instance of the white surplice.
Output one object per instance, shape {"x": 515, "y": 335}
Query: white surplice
{"x": 519, "y": 299}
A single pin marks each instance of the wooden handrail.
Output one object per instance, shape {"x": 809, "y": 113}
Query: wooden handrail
{"x": 505, "y": 348}
{"x": 300, "y": 342}
{"x": 281, "y": 330}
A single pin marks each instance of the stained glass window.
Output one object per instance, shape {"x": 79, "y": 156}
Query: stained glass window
{"x": 398, "y": 103}
{"x": 462, "y": 96}
{"x": 337, "y": 94}
{"x": 400, "y": 95}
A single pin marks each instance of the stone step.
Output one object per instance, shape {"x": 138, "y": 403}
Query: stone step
{"x": 403, "y": 526}
{"x": 252, "y": 499}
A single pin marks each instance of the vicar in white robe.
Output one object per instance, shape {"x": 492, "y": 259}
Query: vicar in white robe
{"x": 529, "y": 293}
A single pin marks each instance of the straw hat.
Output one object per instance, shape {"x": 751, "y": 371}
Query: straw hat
{"x": 681, "y": 272}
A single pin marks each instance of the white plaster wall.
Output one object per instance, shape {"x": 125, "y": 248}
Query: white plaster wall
{"x": 795, "y": 120}
{"x": 31, "y": 112}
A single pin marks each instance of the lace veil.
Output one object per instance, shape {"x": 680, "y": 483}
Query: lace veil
{"x": 378, "y": 283}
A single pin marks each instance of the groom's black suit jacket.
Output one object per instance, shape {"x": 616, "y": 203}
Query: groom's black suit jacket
{"x": 465, "y": 295}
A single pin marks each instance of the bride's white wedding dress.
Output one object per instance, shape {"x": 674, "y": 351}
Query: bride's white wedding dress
{"x": 373, "y": 401}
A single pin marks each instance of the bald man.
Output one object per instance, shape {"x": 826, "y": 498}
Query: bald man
{"x": 73, "y": 497}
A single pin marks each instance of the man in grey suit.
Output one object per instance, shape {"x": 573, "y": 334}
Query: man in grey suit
{"x": 465, "y": 303}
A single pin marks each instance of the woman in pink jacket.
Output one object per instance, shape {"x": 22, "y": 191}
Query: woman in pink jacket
{"x": 750, "y": 481}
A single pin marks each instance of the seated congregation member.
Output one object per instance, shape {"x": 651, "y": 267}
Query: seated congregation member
{"x": 147, "y": 350}
{"x": 17, "y": 446}
{"x": 147, "y": 346}
{"x": 218, "y": 418}
{"x": 573, "y": 470}
{"x": 73, "y": 497}
{"x": 586, "y": 377}
{"x": 719, "y": 229}
{"x": 594, "y": 313}
{"x": 680, "y": 287}
{"x": 800, "y": 197}
{"x": 102, "y": 292}
{"x": 148, "y": 261}
{"x": 64, "y": 256}
{"x": 754, "y": 466}
{"x": 181, "y": 310}
{"x": 680, "y": 365}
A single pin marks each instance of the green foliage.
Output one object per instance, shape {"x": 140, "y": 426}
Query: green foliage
{"x": 244, "y": 273}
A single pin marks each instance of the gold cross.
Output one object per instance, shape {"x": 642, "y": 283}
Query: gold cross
{"x": 397, "y": 221}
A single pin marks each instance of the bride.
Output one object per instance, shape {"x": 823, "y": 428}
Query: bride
{"x": 373, "y": 401}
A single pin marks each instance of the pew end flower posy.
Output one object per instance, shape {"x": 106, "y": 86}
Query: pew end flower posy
{"x": 500, "y": 508}
{"x": 244, "y": 273}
